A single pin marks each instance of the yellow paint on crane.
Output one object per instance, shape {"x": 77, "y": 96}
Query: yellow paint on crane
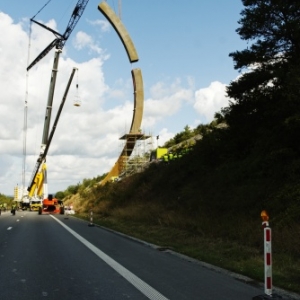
{"x": 38, "y": 182}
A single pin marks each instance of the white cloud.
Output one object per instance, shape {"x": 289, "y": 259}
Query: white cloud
{"x": 83, "y": 40}
{"x": 86, "y": 142}
{"x": 83, "y": 134}
{"x": 165, "y": 101}
{"x": 103, "y": 24}
{"x": 210, "y": 100}
{"x": 164, "y": 136}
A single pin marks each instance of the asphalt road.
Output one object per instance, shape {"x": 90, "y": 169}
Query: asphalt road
{"x": 54, "y": 257}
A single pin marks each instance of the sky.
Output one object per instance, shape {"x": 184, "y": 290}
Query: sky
{"x": 183, "y": 50}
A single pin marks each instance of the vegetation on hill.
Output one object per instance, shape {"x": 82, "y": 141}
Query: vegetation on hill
{"x": 207, "y": 204}
{"x": 5, "y": 201}
{"x": 74, "y": 189}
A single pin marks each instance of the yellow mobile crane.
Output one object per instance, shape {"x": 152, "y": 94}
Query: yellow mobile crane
{"x": 38, "y": 188}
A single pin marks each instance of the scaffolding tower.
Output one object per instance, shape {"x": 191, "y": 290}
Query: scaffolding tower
{"x": 134, "y": 154}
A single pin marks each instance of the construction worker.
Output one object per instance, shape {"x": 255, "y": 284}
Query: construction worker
{"x": 13, "y": 209}
{"x": 166, "y": 158}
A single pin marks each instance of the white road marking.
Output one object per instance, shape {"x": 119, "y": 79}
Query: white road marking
{"x": 141, "y": 285}
{"x": 9, "y": 228}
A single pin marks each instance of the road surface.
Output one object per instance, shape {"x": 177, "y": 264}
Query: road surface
{"x": 54, "y": 257}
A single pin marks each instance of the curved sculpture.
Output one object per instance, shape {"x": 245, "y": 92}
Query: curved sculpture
{"x": 134, "y": 133}
{"x": 120, "y": 29}
{"x": 138, "y": 87}
{"x": 138, "y": 109}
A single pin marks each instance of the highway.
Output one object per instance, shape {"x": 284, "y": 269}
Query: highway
{"x": 55, "y": 257}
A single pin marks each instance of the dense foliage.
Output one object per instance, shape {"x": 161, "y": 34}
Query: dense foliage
{"x": 264, "y": 113}
{"x": 5, "y": 199}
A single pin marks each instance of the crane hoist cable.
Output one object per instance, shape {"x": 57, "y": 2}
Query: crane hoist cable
{"x": 40, "y": 10}
{"x": 119, "y": 8}
{"x": 26, "y": 101}
{"x": 25, "y": 113}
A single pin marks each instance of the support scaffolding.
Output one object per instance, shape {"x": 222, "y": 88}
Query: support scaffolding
{"x": 134, "y": 154}
{"x": 134, "y": 134}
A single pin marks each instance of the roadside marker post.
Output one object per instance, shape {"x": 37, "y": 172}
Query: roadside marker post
{"x": 91, "y": 224}
{"x": 267, "y": 259}
{"x": 66, "y": 212}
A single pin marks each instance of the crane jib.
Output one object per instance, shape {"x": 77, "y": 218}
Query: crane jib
{"x": 61, "y": 39}
{"x": 42, "y": 157}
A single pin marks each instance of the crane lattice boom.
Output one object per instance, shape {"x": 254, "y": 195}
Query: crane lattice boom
{"x": 76, "y": 15}
{"x": 61, "y": 39}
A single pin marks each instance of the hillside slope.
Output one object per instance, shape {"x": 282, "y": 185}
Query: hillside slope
{"x": 207, "y": 205}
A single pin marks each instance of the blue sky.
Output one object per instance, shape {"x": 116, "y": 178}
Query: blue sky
{"x": 183, "y": 50}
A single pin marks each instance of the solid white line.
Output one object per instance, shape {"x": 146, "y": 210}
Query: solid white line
{"x": 141, "y": 285}
{"x": 9, "y": 228}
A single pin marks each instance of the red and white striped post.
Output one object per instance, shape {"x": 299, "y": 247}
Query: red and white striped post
{"x": 267, "y": 252}
{"x": 268, "y": 260}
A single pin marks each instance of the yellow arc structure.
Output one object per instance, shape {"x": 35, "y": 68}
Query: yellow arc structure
{"x": 138, "y": 87}
{"x": 116, "y": 23}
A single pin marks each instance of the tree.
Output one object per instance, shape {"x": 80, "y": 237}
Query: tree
{"x": 274, "y": 28}
{"x": 180, "y": 137}
{"x": 265, "y": 99}
{"x": 60, "y": 195}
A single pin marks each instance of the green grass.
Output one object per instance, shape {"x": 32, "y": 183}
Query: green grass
{"x": 207, "y": 205}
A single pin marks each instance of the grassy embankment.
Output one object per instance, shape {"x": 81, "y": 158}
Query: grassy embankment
{"x": 209, "y": 211}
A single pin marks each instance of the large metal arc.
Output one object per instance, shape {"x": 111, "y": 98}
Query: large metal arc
{"x": 116, "y": 23}
{"x": 138, "y": 87}
{"x": 134, "y": 134}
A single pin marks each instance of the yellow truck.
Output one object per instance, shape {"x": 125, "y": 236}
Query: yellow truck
{"x": 35, "y": 204}
{"x": 158, "y": 154}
